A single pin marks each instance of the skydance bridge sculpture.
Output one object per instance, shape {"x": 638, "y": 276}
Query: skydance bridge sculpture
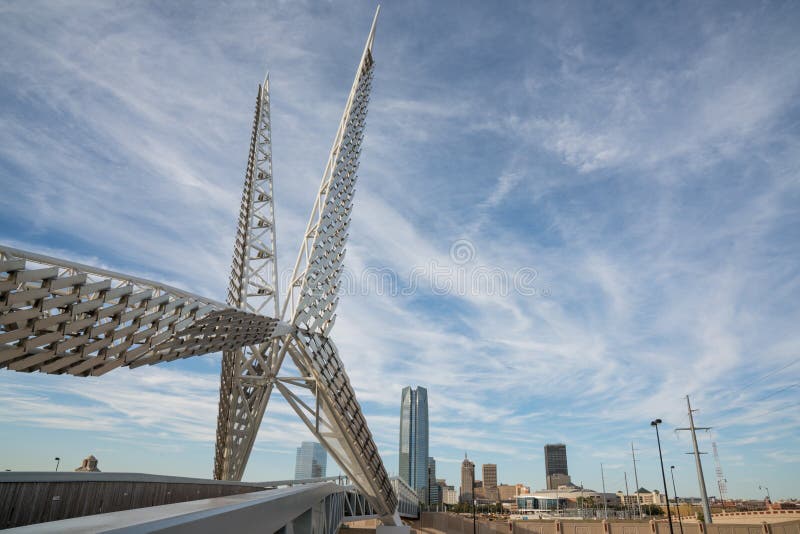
{"x": 60, "y": 317}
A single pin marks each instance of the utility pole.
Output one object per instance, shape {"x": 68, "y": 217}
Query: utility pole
{"x": 605, "y": 501}
{"x": 628, "y": 495}
{"x": 700, "y": 479}
{"x": 636, "y": 479}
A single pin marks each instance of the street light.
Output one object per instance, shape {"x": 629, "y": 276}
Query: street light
{"x": 474, "y": 504}
{"x": 675, "y": 494}
{"x": 58, "y": 461}
{"x": 663, "y": 476}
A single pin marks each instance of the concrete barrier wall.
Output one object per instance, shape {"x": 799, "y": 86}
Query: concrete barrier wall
{"x": 456, "y": 524}
{"x": 25, "y": 503}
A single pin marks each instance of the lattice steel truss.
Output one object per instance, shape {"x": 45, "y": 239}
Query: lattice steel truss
{"x": 62, "y": 317}
{"x": 253, "y": 286}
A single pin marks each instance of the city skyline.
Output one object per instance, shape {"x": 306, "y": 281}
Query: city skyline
{"x": 645, "y": 178}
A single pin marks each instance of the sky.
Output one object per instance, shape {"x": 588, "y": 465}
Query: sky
{"x": 569, "y": 216}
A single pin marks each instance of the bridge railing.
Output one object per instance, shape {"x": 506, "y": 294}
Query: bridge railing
{"x": 44, "y": 498}
{"x": 315, "y": 508}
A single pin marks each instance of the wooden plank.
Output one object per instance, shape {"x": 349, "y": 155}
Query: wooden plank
{"x": 19, "y": 316}
{"x": 29, "y": 295}
{"x": 67, "y": 281}
{"x": 60, "y": 363}
{"x": 42, "y": 340}
{"x": 31, "y": 361}
{"x": 94, "y": 288}
{"x": 35, "y": 275}
{"x": 15, "y": 335}
{"x": 11, "y": 265}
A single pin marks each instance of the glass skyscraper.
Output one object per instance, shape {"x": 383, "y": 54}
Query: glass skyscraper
{"x": 311, "y": 461}
{"x": 414, "y": 440}
{"x": 555, "y": 465}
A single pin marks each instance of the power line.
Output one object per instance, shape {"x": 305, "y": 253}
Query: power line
{"x": 757, "y": 380}
{"x": 778, "y": 391}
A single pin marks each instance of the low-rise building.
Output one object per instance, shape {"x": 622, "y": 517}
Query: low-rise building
{"x": 531, "y": 503}
{"x": 449, "y": 495}
{"x": 506, "y": 492}
{"x": 576, "y": 497}
{"x": 642, "y": 496}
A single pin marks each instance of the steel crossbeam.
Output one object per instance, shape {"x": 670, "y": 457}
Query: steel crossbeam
{"x": 62, "y": 317}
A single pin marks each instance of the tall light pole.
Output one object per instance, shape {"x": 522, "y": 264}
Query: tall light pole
{"x": 605, "y": 501}
{"x": 628, "y": 497}
{"x": 655, "y": 423}
{"x": 583, "y": 503}
{"x": 675, "y": 494}
{"x": 636, "y": 478}
{"x": 58, "y": 461}
{"x": 766, "y": 488}
{"x": 474, "y": 504}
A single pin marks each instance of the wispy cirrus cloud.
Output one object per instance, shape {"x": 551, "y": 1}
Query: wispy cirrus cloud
{"x": 643, "y": 164}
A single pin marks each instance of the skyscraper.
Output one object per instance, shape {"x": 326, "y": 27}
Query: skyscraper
{"x": 311, "y": 461}
{"x": 467, "y": 480}
{"x": 414, "y": 440}
{"x": 555, "y": 463}
{"x": 434, "y": 491}
{"x": 490, "y": 482}
{"x": 489, "y": 475}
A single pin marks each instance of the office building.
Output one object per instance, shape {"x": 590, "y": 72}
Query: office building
{"x": 449, "y": 495}
{"x": 506, "y": 492}
{"x": 555, "y": 463}
{"x": 558, "y": 480}
{"x": 489, "y": 476}
{"x": 467, "y": 480}
{"x": 413, "y": 469}
{"x": 642, "y": 496}
{"x": 311, "y": 461}
{"x": 434, "y": 490}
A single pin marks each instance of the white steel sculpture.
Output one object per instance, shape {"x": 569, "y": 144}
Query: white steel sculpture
{"x": 63, "y": 317}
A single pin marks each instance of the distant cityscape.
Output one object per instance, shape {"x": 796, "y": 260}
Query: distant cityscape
{"x": 417, "y": 477}
{"x": 417, "y": 471}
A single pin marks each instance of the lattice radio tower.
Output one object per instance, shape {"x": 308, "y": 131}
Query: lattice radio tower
{"x": 722, "y": 483}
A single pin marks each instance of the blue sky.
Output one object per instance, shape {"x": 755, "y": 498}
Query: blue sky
{"x": 636, "y": 162}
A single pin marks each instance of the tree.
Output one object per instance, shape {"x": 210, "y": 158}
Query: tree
{"x": 652, "y": 509}
{"x": 699, "y": 516}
